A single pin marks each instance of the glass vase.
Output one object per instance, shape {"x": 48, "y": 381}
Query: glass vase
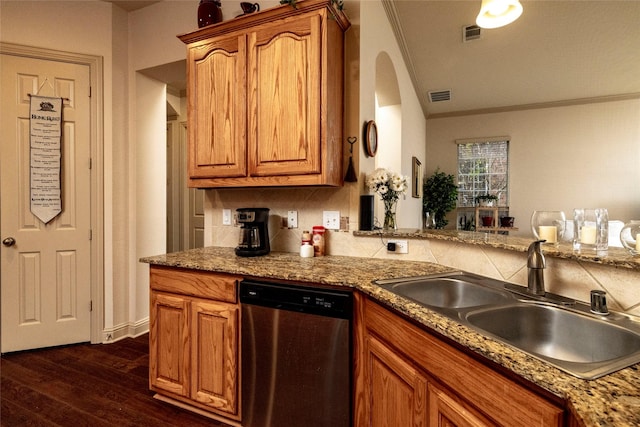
{"x": 630, "y": 237}
{"x": 428, "y": 220}
{"x": 591, "y": 231}
{"x": 548, "y": 226}
{"x": 390, "y": 223}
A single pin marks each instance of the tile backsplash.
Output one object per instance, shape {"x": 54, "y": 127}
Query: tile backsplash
{"x": 570, "y": 278}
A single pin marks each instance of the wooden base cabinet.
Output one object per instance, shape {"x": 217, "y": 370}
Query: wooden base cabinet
{"x": 265, "y": 98}
{"x": 408, "y": 377}
{"x": 396, "y": 390}
{"x": 193, "y": 339}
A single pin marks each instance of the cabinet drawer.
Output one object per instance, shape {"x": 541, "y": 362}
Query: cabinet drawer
{"x": 220, "y": 287}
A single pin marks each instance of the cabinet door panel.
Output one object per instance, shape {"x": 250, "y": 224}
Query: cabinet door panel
{"x": 217, "y": 112}
{"x": 397, "y": 392}
{"x": 284, "y": 98}
{"x": 169, "y": 344}
{"x": 214, "y": 357}
{"x": 446, "y": 410}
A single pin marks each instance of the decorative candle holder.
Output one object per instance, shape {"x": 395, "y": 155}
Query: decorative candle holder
{"x": 630, "y": 237}
{"x": 591, "y": 231}
{"x": 548, "y": 225}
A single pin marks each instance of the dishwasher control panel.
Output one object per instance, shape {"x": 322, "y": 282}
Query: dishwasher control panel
{"x": 306, "y": 299}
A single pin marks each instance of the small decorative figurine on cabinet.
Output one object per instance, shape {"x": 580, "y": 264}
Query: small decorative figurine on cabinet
{"x": 209, "y": 12}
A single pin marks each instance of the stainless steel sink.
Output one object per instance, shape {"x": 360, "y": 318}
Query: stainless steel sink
{"x": 588, "y": 346}
{"x": 459, "y": 290}
{"x": 564, "y": 335}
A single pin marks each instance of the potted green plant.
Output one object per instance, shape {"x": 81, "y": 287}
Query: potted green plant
{"x": 487, "y": 200}
{"x": 440, "y": 196}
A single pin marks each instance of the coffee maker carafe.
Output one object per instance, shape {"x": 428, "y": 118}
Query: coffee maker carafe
{"x": 254, "y": 234}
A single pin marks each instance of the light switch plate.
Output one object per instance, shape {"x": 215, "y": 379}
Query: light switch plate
{"x": 226, "y": 216}
{"x": 331, "y": 220}
{"x": 292, "y": 219}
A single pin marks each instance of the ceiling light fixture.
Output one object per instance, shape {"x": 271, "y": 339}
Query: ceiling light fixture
{"x": 498, "y": 13}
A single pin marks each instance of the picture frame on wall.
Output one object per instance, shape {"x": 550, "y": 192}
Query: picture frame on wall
{"x": 416, "y": 178}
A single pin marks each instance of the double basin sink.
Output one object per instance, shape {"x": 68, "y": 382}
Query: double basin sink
{"x": 556, "y": 330}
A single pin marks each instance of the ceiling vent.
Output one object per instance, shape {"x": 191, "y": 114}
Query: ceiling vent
{"x": 439, "y": 95}
{"x": 470, "y": 32}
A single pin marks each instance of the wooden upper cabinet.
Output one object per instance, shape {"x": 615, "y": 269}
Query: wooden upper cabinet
{"x": 265, "y": 98}
{"x": 217, "y": 108}
{"x": 284, "y": 98}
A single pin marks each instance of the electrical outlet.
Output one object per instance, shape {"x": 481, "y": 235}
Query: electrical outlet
{"x": 331, "y": 220}
{"x": 401, "y": 246}
{"x": 226, "y": 216}
{"x": 292, "y": 219}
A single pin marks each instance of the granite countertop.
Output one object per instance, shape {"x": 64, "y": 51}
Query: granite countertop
{"x": 613, "y": 400}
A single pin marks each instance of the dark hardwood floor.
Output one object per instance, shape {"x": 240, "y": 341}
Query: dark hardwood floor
{"x": 86, "y": 385}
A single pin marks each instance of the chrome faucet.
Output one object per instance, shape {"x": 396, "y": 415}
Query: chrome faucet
{"x": 535, "y": 265}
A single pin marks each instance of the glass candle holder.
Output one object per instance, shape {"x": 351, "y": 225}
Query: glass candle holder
{"x": 591, "y": 230}
{"x": 548, "y": 226}
{"x": 630, "y": 237}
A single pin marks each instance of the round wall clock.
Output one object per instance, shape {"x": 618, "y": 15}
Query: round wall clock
{"x": 371, "y": 138}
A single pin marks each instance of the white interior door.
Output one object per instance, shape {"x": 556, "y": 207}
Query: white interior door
{"x": 45, "y": 274}
{"x": 185, "y": 206}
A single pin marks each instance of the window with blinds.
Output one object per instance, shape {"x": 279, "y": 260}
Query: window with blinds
{"x": 483, "y": 168}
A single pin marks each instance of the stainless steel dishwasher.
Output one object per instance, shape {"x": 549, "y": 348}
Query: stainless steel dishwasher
{"x": 296, "y": 355}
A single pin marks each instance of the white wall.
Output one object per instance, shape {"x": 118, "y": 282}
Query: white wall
{"x": 117, "y": 155}
{"x": 377, "y": 36}
{"x": 559, "y": 158}
{"x": 150, "y": 189}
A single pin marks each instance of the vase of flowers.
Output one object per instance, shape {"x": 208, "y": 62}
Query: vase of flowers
{"x": 389, "y": 185}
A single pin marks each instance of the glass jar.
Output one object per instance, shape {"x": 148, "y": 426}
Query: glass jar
{"x": 591, "y": 231}
{"x": 548, "y": 226}
{"x": 630, "y": 237}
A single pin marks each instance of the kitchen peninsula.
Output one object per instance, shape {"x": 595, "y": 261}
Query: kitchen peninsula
{"x": 616, "y": 257}
{"x": 611, "y": 400}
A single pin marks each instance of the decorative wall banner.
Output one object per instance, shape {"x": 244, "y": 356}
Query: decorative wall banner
{"x": 45, "y": 135}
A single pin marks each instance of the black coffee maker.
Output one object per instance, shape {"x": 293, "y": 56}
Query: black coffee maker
{"x": 254, "y": 234}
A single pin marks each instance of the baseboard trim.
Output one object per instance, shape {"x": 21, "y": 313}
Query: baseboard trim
{"x": 125, "y": 330}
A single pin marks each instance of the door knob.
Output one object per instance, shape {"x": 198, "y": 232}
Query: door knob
{"x": 9, "y": 241}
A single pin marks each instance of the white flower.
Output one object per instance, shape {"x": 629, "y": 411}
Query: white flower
{"x": 390, "y": 185}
